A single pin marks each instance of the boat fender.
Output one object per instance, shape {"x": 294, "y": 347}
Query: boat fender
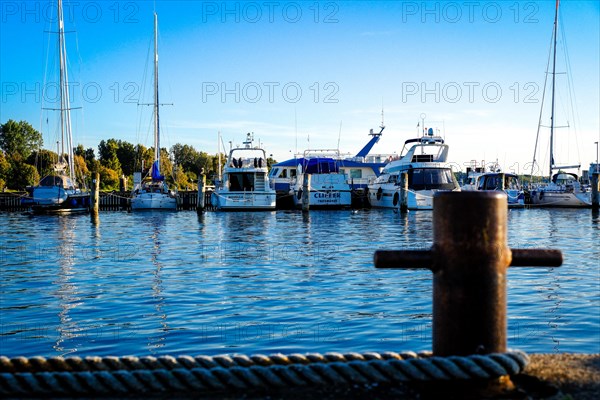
{"x": 379, "y": 193}
{"x": 299, "y": 195}
{"x": 255, "y": 162}
{"x": 240, "y": 162}
{"x": 396, "y": 199}
{"x": 260, "y": 162}
{"x": 234, "y": 163}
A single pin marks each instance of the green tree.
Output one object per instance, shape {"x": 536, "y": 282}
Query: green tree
{"x": 107, "y": 153}
{"x": 4, "y": 170}
{"x": 43, "y": 160}
{"x": 21, "y": 174}
{"x": 109, "y": 179}
{"x": 19, "y": 138}
{"x": 127, "y": 153}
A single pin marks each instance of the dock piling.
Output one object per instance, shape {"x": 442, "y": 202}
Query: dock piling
{"x": 200, "y": 205}
{"x": 306, "y": 192}
{"x": 404, "y": 192}
{"x": 469, "y": 259}
{"x": 595, "y": 190}
{"x": 95, "y": 194}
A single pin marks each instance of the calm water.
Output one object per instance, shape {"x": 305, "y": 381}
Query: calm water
{"x": 176, "y": 283}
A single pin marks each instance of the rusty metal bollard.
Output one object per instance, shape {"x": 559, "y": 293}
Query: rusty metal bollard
{"x": 469, "y": 259}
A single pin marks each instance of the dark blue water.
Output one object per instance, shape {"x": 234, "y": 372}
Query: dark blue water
{"x": 176, "y": 283}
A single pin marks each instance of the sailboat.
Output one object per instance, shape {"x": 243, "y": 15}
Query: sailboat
{"x": 563, "y": 189}
{"x": 58, "y": 192}
{"x": 152, "y": 192}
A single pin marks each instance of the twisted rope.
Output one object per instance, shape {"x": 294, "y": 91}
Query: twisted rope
{"x": 126, "y": 375}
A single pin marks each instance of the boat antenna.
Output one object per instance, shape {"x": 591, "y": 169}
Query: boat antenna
{"x": 339, "y": 136}
{"x": 423, "y": 130}
{"x": 219, "y": 142}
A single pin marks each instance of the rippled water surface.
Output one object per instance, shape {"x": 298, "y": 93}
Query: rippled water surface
{"x": 177, "y": 283}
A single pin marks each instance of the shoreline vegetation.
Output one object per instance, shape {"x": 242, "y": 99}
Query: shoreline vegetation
{"x": 23, "y": 161}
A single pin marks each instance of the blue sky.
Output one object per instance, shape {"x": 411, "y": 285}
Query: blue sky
{"x": 320, "y": 71}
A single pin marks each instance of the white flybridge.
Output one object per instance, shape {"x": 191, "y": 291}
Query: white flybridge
{"x": 424, "y": 160}
{"x": 59, "y": 192}
{"x": 245, "y": 181}
{"x": 152, "y": 192}
{"x": 564, "y": 188}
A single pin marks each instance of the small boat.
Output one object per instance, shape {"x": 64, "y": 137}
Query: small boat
{"x": 424, "y": 160}
{"x": 244, "y": 185}
{"x": 59, "y": 192}
{"x": 358, "y": 169}
{"x": 494, "y": 179}
{"x": 506, "y": 182}
{"x": 563, "y": 188}
{"x": 152, "y": 192}
{"x": 329, "y": 188}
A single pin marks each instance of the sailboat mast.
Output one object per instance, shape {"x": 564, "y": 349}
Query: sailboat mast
{"x": 553, "y": 87}
{"x": 156, "y": 117}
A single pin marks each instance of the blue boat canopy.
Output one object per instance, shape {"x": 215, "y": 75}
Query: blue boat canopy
{"x": 156, "y": 176}
{"x": 320, "y": 166}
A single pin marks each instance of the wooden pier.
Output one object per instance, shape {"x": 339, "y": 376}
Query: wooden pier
{"x": 109, "y": 201}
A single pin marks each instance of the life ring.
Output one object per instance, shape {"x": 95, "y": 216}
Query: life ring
{"x": 379, "y": 193}
{"x": 396, "y": 199}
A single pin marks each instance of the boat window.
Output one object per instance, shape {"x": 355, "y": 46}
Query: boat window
{"x": 511, "y": 182}
{"x": 430, "y": 178}
{"x": 274, "y": 172}
{"x": 284, "y": 173}
{"x": 493, "y": 183}
{"x": 51, "y": 181}
{"x": 356, "y": 173}
{"x": 293, "y": 173}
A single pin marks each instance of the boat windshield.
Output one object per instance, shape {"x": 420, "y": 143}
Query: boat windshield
{"x": 431, "y": 178}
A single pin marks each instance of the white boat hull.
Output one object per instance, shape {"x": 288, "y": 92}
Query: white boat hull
{"x": 390, "y": 198}
{"x": 551, "y": 198}
{"x": 250, "y": 201}
{"x": 153, "y": 201}
{"x": 325, "y": 199}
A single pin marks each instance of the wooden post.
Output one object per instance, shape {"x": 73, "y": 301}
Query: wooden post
{"x": 200, "y": 205}
{"x": 404, "y": 192}
{"x": 306, "y": 192}
{"x": 96, "y": 194}
{"x": 501, "y": 177}
{"x": 595, "y": 190}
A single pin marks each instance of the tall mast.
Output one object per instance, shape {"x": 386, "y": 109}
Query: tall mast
{"x": 65, "y": 102}
{"x": 156, "y": 119}
{"x": 553, "y": 87}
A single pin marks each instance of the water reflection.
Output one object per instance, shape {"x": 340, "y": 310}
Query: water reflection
{"x": 155, "y": 223}
{"x": 66, "y": 291}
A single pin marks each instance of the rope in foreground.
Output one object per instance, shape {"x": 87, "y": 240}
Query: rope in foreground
{"x": 129, "y": 375}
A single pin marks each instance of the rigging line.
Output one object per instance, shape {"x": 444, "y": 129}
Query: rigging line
{"x": 537, "y": 136}
{"x": 571, "y": 92}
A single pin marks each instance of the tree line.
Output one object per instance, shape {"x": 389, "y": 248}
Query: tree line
{"x": 23, "y": 162}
